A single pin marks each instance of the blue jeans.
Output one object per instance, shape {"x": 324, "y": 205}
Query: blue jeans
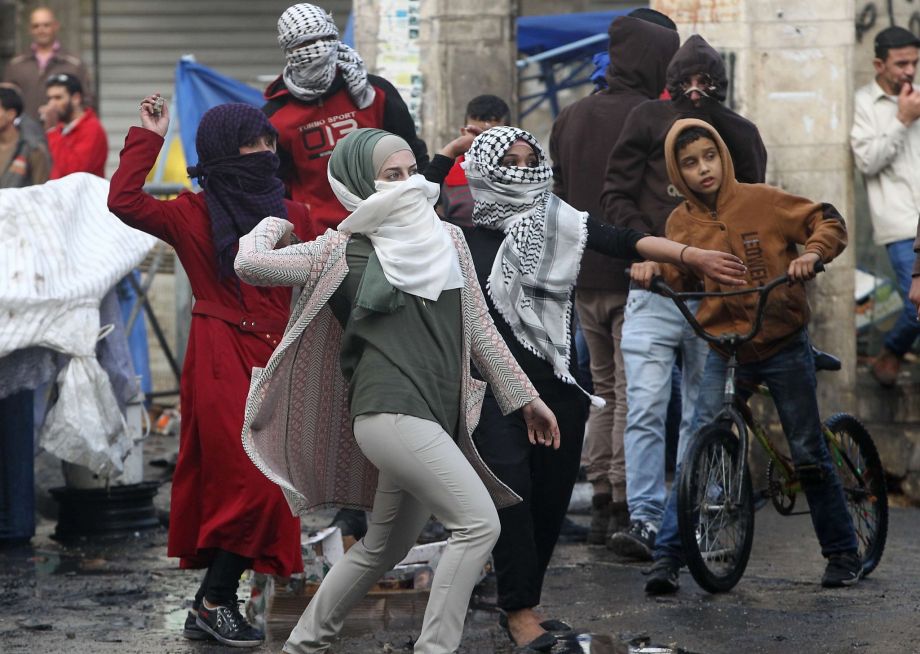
{"x": 901, "y": 337}
{"x": 654, "y": 332}
{"x": 790, "y": 376}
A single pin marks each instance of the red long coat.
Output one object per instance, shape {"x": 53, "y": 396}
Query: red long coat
{"x": 219, "y": 498}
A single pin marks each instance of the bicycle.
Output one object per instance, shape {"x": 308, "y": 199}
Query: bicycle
{"x": 715, "y": 497}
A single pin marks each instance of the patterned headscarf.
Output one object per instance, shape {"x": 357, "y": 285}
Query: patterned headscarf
{"x": 537, "y": 264}
{"x": 311, "y": 69}
{"x": 240, "y": 189}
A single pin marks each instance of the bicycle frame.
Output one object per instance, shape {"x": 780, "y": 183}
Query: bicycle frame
{"x": 731, "y": 411}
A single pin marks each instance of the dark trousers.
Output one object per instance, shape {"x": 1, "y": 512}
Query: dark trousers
{"x": 790, "y": 376}
{"x": 222, "y": 579}
{"x": 543, "y": 477}
{"x": 17, "y": 468}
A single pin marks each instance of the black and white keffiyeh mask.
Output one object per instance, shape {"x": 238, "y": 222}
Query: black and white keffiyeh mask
{"x": 311, "y": 69}
{"x": 537, "y": 264}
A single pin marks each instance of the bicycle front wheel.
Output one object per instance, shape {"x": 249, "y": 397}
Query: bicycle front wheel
{"x": 715, "y": 510}
{"x": 860, "y": 470}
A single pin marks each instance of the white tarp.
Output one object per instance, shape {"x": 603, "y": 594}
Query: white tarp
{"x": 60, "y": 252}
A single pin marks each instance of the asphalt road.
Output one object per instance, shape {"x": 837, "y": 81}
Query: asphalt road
{"x": 130, "y": 598}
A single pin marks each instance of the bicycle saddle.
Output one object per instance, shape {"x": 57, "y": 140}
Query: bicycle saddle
{"x": 825, "y": 361}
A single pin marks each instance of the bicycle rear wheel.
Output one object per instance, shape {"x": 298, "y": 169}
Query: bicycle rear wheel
{"x": 715, "y": 510}
{"x": 860, "y": 469}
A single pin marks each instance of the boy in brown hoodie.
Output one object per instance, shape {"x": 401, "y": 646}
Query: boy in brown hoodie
{"x": 763, "y": 225}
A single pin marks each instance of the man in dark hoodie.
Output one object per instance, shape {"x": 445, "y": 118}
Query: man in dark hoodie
{"x": 638, "y": 194}
{"x": 641, "y": 45}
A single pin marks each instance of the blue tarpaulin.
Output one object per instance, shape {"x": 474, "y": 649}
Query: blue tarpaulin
{"x": 537, "y": 34}
{"x": 198, "y": 88}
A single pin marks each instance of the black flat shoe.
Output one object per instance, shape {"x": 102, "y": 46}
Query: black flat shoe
{"x": 556, "y": 625}
{"x": 542, "y": 643}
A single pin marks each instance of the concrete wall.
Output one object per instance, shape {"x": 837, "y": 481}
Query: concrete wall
{"x": 793, "y": 78}
{"x": 467, "y": 49}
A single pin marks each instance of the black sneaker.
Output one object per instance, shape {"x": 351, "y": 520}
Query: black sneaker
{"x": 227, "y": 625}
{"x": 637, "y": 543}
{"x": 663, "y": 577}
{"x": 191, "y": 630}
{"x": 843, "y": 569}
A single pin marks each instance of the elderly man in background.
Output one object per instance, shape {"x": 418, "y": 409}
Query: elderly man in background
{"x": 45, "y": 58}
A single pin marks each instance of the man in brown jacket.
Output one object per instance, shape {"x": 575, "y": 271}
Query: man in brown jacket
{"x": 45, "y": 58}
{"x": 582, "y": 138}
{"x": 764, "y": 226}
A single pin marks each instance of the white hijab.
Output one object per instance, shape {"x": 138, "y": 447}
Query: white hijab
{"x": 415, "y": 251}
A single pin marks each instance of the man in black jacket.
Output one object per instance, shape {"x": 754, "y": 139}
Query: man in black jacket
{"x": 582, "y": 138}
{"x": 637, "y": 194}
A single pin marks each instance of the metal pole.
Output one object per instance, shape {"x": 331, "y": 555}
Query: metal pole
{"x": 96, "y": 48}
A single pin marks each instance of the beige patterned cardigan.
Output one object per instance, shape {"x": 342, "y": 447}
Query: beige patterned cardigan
{"x": 297, "y": 428}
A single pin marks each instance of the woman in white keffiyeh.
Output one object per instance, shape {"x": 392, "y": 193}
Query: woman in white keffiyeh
{"x": 527, "y": 247}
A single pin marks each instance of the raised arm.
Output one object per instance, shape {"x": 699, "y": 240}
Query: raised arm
{"x": 167, "y": 220}
{"x": 265, "y": 257}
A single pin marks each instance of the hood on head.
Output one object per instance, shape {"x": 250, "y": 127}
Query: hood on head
{"x": 697, "y": 56}
{"x": 639, "y": 54}
{"x": 728, "y": 167}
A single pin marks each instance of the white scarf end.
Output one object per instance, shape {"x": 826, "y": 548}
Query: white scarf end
{"x": 599, "y": 402}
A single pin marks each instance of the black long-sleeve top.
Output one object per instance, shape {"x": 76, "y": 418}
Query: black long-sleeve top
{"x": 603, "y": 238}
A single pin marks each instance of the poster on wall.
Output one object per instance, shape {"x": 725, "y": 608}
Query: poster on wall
{"x": 398, "y": 57}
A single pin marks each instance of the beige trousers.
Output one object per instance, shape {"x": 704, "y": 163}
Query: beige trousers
{"x": 422, "y": 471}
{"x": 601, "y": 316}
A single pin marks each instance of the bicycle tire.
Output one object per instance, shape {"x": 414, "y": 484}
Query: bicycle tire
{"x": 716, "y": 533}
{"x": 863, "y": 478}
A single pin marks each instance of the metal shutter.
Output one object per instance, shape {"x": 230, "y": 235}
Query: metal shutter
{"x": 141, "y": 41}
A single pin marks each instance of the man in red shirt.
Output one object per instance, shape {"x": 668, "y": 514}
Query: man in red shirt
{"x": 75, "y": 136}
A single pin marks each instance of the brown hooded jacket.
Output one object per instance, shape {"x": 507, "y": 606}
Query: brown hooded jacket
{"x": 762, "y": 225}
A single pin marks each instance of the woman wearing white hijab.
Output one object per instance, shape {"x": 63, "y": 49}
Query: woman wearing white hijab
{"x": 368, "y": 400}
{"x": 527, "y": 247}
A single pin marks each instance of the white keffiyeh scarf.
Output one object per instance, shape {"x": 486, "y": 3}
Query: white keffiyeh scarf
{"x": 537, "y": 264}
{"x": 311, "y": 69}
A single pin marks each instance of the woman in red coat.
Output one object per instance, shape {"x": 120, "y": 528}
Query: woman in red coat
{"x": 225, "y": 514}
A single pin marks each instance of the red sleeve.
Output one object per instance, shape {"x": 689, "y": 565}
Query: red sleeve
{"x": 299, "y": 215}
{"x": 165, "y": 219}
{"x": 85, "y": 151}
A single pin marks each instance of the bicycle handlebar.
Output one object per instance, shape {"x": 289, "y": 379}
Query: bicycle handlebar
{"x": 658, "y": 285}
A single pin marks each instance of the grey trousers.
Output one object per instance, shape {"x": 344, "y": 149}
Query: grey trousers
{"x": 422, "y": 471}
